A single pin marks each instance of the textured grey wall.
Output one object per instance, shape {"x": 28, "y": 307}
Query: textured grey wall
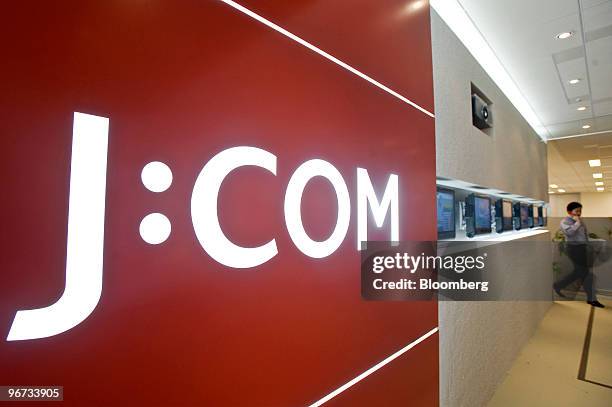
{"x": 480, "y": 340}
{"x": 513, "y": 158}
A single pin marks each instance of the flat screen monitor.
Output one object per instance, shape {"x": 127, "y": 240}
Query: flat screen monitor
{"x": 482, "y": 215}
{"x": 540, "y": 216}
{"x": 536, "y": 216}
{"x": 507, "y": 214}
{"x": 445, "y": 199}
{"x": 516, "y": 215}
{"x": 524, "y": 216}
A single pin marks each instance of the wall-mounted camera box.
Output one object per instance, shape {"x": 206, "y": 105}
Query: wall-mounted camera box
{"x": 482, "y": 112}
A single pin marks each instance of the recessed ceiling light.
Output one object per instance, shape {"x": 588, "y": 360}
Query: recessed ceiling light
{"x": 551, "y": 192}
{"x": 600, "y": 189}
{"x": 574, "y": 81}
{"x": 561, "y": 190}
{"x": 595, "y": 163}
{"x": 598, "y": 183}
{"x": 586, "y": 126}
{"x": 598, "y": 175}
{"x": 554, "y": 186}
{"x": 565, "y": 35}
{"x": 581, "y": 108}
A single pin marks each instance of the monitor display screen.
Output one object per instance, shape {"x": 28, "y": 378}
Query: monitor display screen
{"x": 507, "y": 215}
{"x": 524, "y": 216}
{"x": 446, "y": 213}
{"x": 482, "y": 214}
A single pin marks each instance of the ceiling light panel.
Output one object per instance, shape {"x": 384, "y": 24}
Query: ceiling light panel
{"x": 595, "y": 163}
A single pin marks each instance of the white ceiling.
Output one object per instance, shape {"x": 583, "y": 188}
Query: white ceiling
{"x": 568, "y": 163}
{"x": 522, "y": 34}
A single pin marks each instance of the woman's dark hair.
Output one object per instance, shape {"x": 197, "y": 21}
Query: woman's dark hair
{"x": 573, "y": 205}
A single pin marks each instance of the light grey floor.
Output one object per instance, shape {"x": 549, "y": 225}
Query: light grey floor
{"x": 545, "y": 373}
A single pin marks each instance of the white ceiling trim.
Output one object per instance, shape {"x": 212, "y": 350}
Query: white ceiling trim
{"x": 580, "y": 135}
{"x": 460, "y": 23}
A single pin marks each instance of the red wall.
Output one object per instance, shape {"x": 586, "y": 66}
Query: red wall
{"x": 181, "y": 81}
